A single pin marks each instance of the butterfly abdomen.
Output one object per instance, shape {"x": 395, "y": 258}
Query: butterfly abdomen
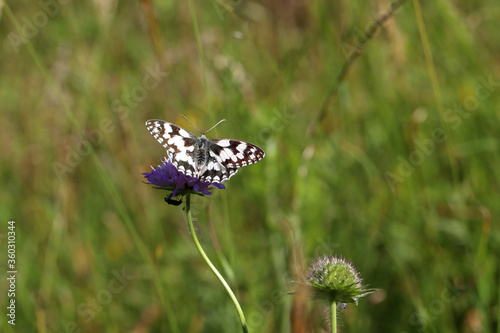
{"x": 201, "y": 155}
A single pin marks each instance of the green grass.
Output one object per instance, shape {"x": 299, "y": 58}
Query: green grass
{"x": 428, "y": 239}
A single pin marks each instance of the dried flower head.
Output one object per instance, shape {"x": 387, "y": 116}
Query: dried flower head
{"x": 336, "y": 280}
{"x": 166, "y": 177}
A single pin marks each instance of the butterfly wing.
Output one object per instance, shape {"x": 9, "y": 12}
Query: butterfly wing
{"x": 226, "y": 156}
{"x": 180, "y": 144}
{"x": 216, "y": 162}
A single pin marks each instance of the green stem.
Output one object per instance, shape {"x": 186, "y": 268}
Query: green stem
{"x": 212, "y": 267}
{"x": 333, "y": 313}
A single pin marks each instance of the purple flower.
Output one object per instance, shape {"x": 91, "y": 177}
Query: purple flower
{"x": 167, "y": 177}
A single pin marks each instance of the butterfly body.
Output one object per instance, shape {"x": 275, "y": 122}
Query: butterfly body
{"x": 202, "y": 151}
{"x": 214, "y": 160}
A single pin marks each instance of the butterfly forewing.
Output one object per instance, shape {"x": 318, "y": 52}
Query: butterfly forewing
{"x": 216, "y": 161}
{"x": 180, "y": 144}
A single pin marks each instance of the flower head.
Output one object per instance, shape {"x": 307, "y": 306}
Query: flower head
{"x": 166, "y": 176}
{"x": 336, "y": 280}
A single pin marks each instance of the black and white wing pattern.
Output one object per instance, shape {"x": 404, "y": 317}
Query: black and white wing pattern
{"x": 212, "y": 161}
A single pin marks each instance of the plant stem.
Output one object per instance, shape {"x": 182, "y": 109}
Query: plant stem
{"x": 212, "y": 267}
{"x": 333, "y": 313}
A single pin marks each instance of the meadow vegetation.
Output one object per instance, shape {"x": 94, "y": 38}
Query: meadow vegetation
{"x": 382, "y": 147}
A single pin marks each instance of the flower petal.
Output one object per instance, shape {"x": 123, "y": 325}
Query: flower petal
{"x": 167, "y": 176}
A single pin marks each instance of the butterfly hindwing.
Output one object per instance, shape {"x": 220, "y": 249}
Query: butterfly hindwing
{"x": 226, "y": 156}
{"x": 214, "y": 171}
{"x": 209, "y": 160}
{"x": 235, "y": 153}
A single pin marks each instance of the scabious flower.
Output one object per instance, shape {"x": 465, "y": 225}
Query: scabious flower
{"x": 166, "y": 176}
{"x": 336, "y": 280}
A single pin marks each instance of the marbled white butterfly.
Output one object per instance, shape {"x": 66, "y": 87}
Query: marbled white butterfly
{"x": 208, "y": 160}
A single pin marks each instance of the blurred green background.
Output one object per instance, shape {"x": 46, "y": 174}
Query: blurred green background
{"x": 382, "y": 146}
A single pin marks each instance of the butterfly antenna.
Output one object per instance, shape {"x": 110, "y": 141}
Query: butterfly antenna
{"x": 183, "y": 116}
{"x": 215, "y": 126}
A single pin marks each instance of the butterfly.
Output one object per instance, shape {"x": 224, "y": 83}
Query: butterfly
{"x": 210, "y": 161}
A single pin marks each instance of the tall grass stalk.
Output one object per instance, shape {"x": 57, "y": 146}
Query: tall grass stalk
{"x": 110, "y": 186}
